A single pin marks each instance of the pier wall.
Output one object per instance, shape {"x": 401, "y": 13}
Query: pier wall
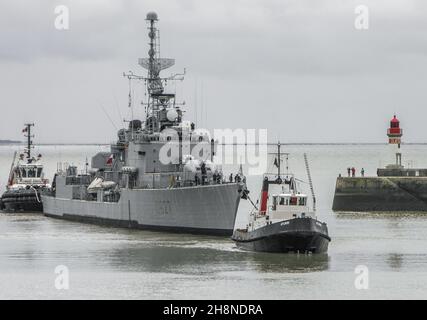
{"x": 380, "y": 194}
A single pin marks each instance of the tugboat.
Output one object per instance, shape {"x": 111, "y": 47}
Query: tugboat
{"x": 284, "y": 222}
{"x": 26, "y": 181}
{"x": 159, "y": 175}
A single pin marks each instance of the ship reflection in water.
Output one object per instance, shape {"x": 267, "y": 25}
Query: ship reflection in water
{"x": 81, "y": 245}
{"x": 265, "y": 262}
{"x": 204, "y": 256}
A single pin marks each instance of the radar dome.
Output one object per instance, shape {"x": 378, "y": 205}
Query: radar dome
{"x": 152, "y": 16}
{"x": 172, "y": 115}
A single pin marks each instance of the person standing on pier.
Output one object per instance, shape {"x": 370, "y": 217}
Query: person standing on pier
{"x": 348, "y": 172}
{"x": 353, "y": 172}
{"x": 362, "y": 172}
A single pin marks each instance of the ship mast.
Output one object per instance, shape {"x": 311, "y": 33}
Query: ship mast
{"x": 279, "y": 159}
{"x": 277, "y": 162}
{"x": 277, "y": 180}
{"x": 157, "y": 99}
{"x": 28, "y": 135}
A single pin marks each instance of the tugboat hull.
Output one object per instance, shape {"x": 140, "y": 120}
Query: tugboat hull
{"x": 300, "y": 235}
{"x": 24, "y": 200}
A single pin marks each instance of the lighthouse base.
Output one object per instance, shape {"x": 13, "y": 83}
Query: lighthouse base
{"x": 383, "y": 193}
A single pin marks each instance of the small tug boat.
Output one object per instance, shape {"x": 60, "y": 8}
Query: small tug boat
{"x": 26, "y": 181}
{"x": 284, "y": 221}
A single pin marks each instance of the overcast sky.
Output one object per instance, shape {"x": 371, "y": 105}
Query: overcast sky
{"x": 296, "y": 67}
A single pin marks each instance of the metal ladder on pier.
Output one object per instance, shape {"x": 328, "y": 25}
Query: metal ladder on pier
{"x": 307, "y": 167}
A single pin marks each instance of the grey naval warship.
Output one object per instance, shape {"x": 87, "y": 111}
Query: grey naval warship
{"x": 132, "y": 186}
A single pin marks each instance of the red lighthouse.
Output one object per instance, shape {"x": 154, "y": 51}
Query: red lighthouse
{"x": 394, "y": 134}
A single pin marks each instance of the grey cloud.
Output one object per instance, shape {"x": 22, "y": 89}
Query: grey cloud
{"x": 298, "y": 68}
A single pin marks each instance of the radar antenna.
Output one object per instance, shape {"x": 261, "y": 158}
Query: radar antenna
{"x": 154, "y": 64}
{"x": 158, "y": 100}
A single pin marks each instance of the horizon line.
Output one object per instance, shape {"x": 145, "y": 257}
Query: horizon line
{"x": 11, "y": 142}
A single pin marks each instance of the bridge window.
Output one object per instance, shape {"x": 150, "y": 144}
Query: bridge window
{"x": 294, "y": 201}
{"x": 31, "y": 173}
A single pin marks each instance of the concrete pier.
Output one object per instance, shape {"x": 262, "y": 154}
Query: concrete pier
{"x": 380, "y": 194}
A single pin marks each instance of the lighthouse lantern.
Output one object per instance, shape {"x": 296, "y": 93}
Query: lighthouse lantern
{"x": 394, "y": 133}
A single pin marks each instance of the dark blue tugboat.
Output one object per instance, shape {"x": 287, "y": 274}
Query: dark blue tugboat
{"x": 26, "y": 181}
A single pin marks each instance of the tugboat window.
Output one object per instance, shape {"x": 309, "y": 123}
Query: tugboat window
{"x": 31, "y": 173}
{"x": 274, "y": 203}
{"x": 293, "y": 201}
{"x": 282, "y": 201}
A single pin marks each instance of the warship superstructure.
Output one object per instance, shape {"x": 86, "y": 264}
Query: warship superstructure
{"x": 159, "y": 175}
{"x": 26, "y": 180}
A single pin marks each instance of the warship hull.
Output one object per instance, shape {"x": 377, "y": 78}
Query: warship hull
{"x": 26, "y": 200}
{"x": 209, "y": 209}
{"x": 299, "y": 235}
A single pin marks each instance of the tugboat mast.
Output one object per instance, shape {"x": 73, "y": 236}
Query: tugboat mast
{"x": 277, "y": 162}
{"x": 28, "y": 135}
{"x": 266, "y": 182}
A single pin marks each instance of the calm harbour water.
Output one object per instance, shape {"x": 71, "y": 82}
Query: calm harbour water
{"x": 110, "y": 263}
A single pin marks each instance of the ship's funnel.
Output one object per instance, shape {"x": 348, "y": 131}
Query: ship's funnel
{"x": 264, "y": 196}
